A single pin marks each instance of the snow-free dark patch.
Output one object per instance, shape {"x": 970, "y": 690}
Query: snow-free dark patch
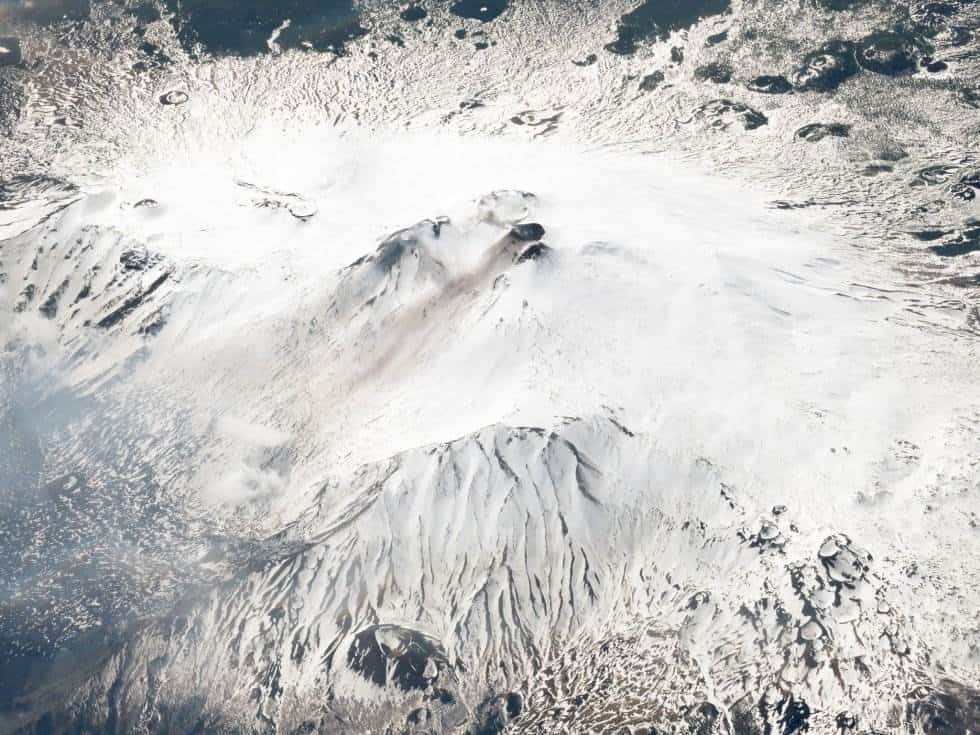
{"x": 243, "y": 27}
{"x": 654, "y": 20}
{"x": 485, "y": 10}
{"x": 10, "y": 54}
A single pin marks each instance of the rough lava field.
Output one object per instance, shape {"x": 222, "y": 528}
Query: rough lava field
{"x": 508, "y": 366}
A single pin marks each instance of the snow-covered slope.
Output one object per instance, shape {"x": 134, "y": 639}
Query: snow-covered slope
{"x": 595, "y": 444}
{"x": 539, "y": 367}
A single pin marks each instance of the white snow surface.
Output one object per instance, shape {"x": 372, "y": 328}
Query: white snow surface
{"x": 520, "y": 458}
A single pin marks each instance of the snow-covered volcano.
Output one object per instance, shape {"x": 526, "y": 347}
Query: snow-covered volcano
{"x": 313, "y": 426}
{"x": 527, "y": 461}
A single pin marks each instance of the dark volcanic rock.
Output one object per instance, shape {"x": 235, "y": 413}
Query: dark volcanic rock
{"x": 26, "y": 297}
{"x": 846, "y": 721}
{"x": 949, "y": 707}
{"x": 154, "y": 57}
{"x": 815, "y": 132}
{"x": 49, "y": 309}
{"x": 132, "y": 303}
{"x": 527, "y": 231}
{"x": 136, "y": 259}
{"x": 827, "y": 68}
{"x": 794, "y": 715}
{"x": 929, "y": 235}
{"x": 10, "y": 54}
{"x": 843, "y": 563}
{"x": 723, "y": 111}
{"x": 702, "y": 718}
{"x": 768, "y": 84}
{"x": 243, "y": 27}
{"x": 962, "y": 192}
{"x": 651, "y": 81}
{"x": 485, "y": 10}
{"x": 839, "y": 5}
{"x": 889, "y": 53}
{"x": 405, "y": 241}
{"x": 715, "y": 39}
{"x": 174, "y": 97}
{"x": 969, "y": 96}
{"x": 787, "y": 716}
{"x": 873, "y": 169}
{"x": 391, "y": 654}
{"x": 937, "y": 173}
{"x": 654, "y": 20}
{"x": 932, "y": 13}
{"x": 534, "y": 119}
{"x": 714, "y": 72}
{"x": 533, "y": 252}
{"x": 413, "y": 13}
{"x": 146, "y": 13}
{"x": 496, "y": 713}
{"x": 970, "y": 179}
{"x": 967, "y": 241}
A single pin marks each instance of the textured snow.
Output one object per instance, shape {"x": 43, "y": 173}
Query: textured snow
{"x": 722, "y": 365}
{"x": 308, "y": 409}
